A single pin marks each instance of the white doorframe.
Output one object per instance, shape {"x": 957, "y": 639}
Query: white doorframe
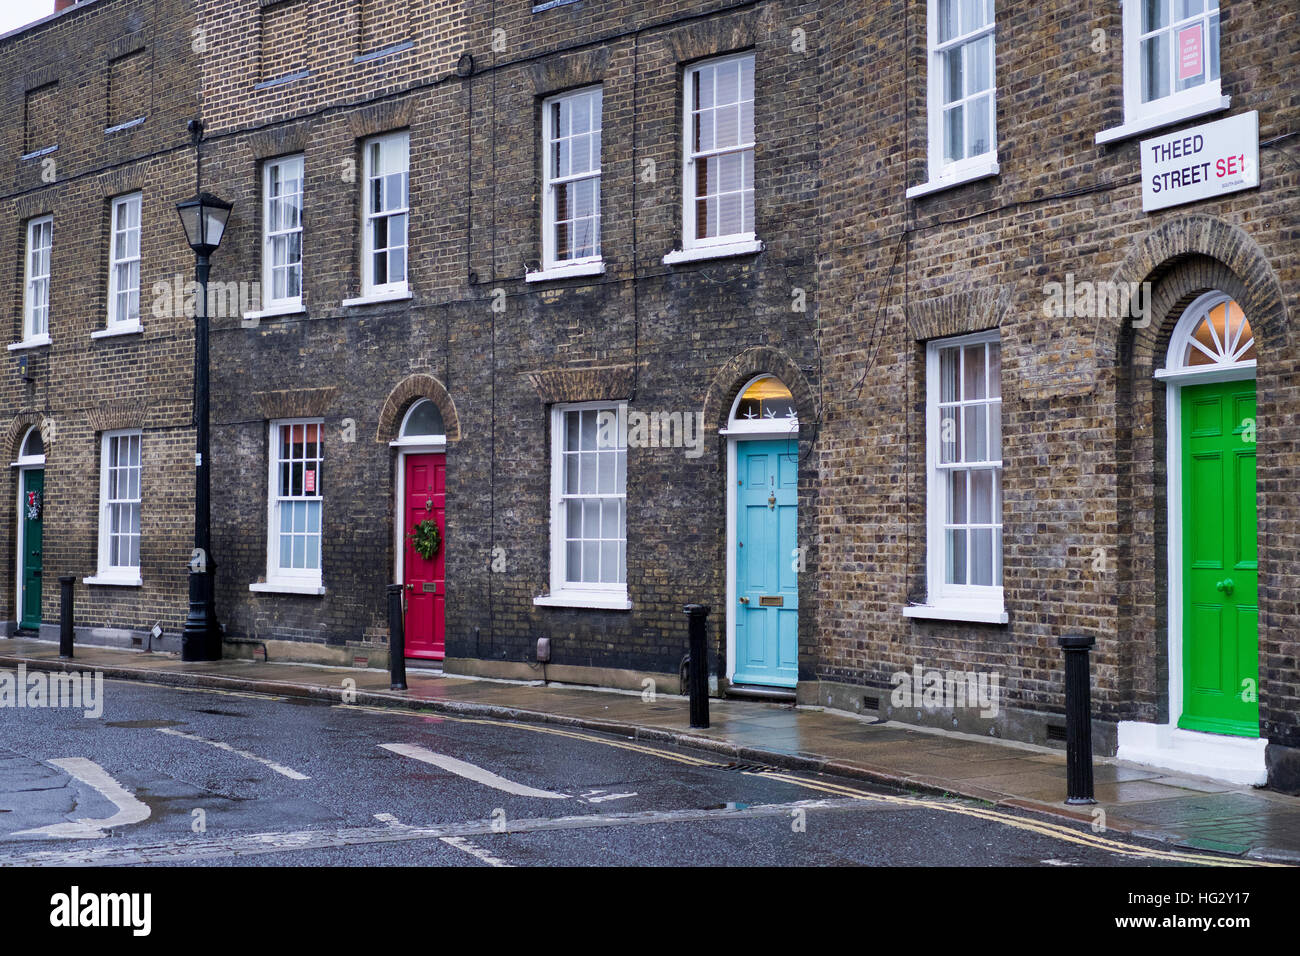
{"x": 399, "y": 498}
{"x": 734, "y": 437}
{"x": 1222, "y": 756}
{"x": 19, "y": 595}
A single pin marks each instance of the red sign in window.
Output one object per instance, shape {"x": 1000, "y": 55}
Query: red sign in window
{"x": 1190, "y": 53}
{"x": 309, "y": 482}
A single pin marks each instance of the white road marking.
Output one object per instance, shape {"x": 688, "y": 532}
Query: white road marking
{"x": 600, "y": 796}
{"x": 388, "y": 818}
{"x": 474, "y": 850}
{"x": 471, "y": 772}
{"x": 240, "y": 845}
{"x": 222, "y": 745}
{"x": 129, "y": 809}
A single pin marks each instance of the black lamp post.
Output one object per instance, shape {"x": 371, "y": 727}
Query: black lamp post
{"x": 204, "y": 218}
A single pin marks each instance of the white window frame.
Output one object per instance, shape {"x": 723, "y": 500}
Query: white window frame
{"x": 980, "y": 603}
{"x": 31, "y": 279}
{"x": 117, "y": 321}
{"x": 290, "y": 303}
{"x": 733, "y": 244}
{"x": 553, "y": 267}
{"x": 942, "y": 174}
{"x": 1174, "y": 108}
{"x": 289, "y": 580}
{"x": 369, "y": 289}
{"x": 610, "y": 596}
{"x": 108, "y": 573}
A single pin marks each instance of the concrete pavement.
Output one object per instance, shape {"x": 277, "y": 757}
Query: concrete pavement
{"x": 1179, "y": 810}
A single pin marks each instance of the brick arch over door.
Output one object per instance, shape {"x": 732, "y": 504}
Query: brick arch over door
{"x": 1206, "y": 253}
{"x": 749, "y": 364}
{"x": 17, "y": 431}
{"x": 400, "y": 399}
{"x": 1183, "y": 259}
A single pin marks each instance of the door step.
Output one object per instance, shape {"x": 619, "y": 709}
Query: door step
{"x": 783, "y": 695}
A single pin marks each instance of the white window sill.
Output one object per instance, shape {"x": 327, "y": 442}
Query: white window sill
{"x": 113, "y": 580}
{"x": 723, "y": 250}
{"x": 377, "y": 297}
{"x": 610, "y": 602}
{"x": 32, "y": 343}
{"x": 288, "y": 308}
{"x": 982, "y": 169}
{"x": 952, "y": 612}
{"x": 125, "y": 328}
{"x": 568, "y": 270}
{"x": 1143, "y": 124}
{"x": 286, "y": 587}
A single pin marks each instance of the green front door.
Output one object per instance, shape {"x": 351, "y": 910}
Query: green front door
{"x": 1220, "y": 562}
{"x": 33, "y": 506}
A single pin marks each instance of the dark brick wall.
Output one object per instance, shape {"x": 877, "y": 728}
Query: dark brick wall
{"x": 474, "y": 231}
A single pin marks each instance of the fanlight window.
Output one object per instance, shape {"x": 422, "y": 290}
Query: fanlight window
{"x": 1220, "y": 336}
{"x": 423, "y": 421}
{"x": 765, "y": 400}
{"x": 33, "y": 447}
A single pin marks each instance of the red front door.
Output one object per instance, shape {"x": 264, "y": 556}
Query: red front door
{"x": 426, "y": 498}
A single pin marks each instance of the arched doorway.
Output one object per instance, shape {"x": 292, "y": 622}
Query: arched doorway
{"x": 763, "y": 560}
{"x": 420, "y": 512}
{"x": 1212, "y": 551}
{"x": 31, "y": 514}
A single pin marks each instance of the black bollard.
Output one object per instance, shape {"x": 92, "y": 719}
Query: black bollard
{"x": 65, "y": 615}
{"x": 1078, "y": 718}
{"x": 698, "y": 679}
{"x": 396, "y": 639}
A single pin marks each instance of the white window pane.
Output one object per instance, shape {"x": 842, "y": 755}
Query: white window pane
{"x": 573, "y": 564}
{"x": 981, "y": 496}
{"x": 572, "y": 464}
{"x": 609, "y": 561}
{"x": 704, "y": 87}
{"x": 1155, "y": 14}
{"x": 606, "y": 468}
{"x": 704, "y": 135}
{"x": 954, "y": 134}
{"x": 590, "y": 423}
{"x": 949, "y": 377}
{"x": 1155, "y": 67}
{"x": 956, "y": 556}
{"x": 591, "y": 562}
{"x": 979, "y": 65}
{"x": 953, "y": 74}
{"x": 587, "y": 480}
{"x": 975, "y": 432}
{"x": 591, "y": 519}
{"x": 299, "y": 552}
{"x": 573, "y": 519}
{"x": 313, "y": 552}
{"x": 957, "y": 497}
{"x": 286, "y": 551}
{"x": 972, "y": 372}
{"x": 981, "y": 556}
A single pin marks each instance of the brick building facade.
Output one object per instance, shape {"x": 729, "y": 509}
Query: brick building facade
{"x": 423, "y": 301}
{"x": 96, "y": 101}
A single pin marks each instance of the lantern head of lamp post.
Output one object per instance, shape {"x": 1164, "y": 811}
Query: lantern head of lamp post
{"x": 204, "y": 220}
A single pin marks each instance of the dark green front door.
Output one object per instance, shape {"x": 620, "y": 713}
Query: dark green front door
{"x": 31, "y": 517}
{"x": 1220, "y": 562}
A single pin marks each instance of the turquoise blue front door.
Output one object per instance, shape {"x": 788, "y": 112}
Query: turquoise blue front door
{"x": 767, "y": 584}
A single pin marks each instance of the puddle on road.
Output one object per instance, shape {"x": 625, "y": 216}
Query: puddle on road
{"x": 144, "y": 723}
{"x": 728, "y": 806}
